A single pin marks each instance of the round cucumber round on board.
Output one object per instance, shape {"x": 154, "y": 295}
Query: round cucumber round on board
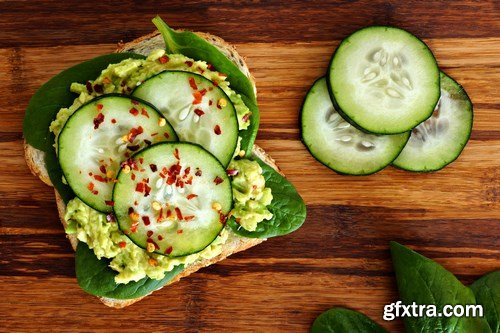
{"x": 384, "y": 80}
{"x": 199, "y": 111}
{"x": 172, "y": 199}
{"x": 439, "y": 140}
{"x": 339, "y": 145}
{"x": 99, "y": 136}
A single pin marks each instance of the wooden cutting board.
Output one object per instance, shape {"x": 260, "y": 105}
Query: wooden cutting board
{"x": 340, "y": 256}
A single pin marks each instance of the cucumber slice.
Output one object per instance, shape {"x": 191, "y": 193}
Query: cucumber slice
{"x": 100, "y": 135}
{"x": 440, "y": 139}
{"x": 175, "y": 199}
{"x": 339, "y": 145}
{"x": 384, "y": 80}
{"x": 199, "y": 111}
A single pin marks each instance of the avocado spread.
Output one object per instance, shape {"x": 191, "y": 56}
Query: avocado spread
{"x": 250, "y": 195}
{"x": 100, "y": 231}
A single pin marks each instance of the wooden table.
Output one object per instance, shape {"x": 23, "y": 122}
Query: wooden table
{"x": 340, "y": 256}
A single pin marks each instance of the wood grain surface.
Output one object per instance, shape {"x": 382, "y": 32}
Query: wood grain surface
{"x": 340, "y": 256}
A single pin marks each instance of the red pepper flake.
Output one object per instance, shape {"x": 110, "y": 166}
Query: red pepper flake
{"x": 133, "y": 148}
{"x": 99, "y": 107}
{"x": 139, "y": 187}
{"x": 217, "y": 130}
{"x": 135, "y": 102}
{"x": 187, "y": 171}
{"x": 232, "y": 172}
{"x": 164, "y": 59}
{"x": 218, "y": 180}
{"x": 192, "y": 83}
{"x": 160, "y": 237}
{"x": 153, "y": 167}
{"x": 122, "y": 244}
{"x": 198, "y": 172}
{"x": 113, "y": 121}
{"x": 191, "y": 196}
{"x": 147, "y": 142}
{"x": 134, "y": 132}
{"x": 222, "y": 218}
{"x": 98, "y": 88}
{"x": 188, "y": 218}
{"x": 221, "y": 74}
{"x": 146, "y": 221}
{"x": 95, "y": 192}
{"x": 166, "y": 135}
{"x": 141, "y": 160}
{"x": 132, "y": 176}
{"x": 210, "y": 67}
{"x": 149, "y": 233}
{"x": 179, "y": 231}
{"x": 134, "y": 112}
{"x": 147, "y": 190}
{"x": 189, "y": 63}
{"x": 130, "y": 210}
{"x": 176, "y": 155}
{"x": 169, "y": 213}
{"x": 154, "y": 134}
{"x": 135, "y": 204}
{"x": 168, "y": 250}
{"x": 133, "y": 227}
{"x": 102, "y": 168}
{"x": 145, "y": 113}
{"x": 100, "y": 179}
{"x": 178, "y": 213}
{"x": 160, "y": 216}
{"x": 210, "y": 102}
{"x": 246, "y": 117}
{"x": 88, "y": 85}
{"x": 197, "y": 97}
{"x": 203, "y": 92}
{"x": 199, "y": 112}
{"x": 90, "y": 174}
{"x": 189, "y": 181}
{"x": 110, "y": 203}
{"x": 98, "y": 120}
{"x": 90, "y": 186}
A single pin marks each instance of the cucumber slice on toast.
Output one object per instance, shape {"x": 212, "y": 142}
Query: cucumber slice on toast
{"x": 384, "y": 80}
{"x": 99, "y": 136}
{"x": 440, "y": 139}
{"x": 174, "y": 200}
{"x": 339, "y": 145}
{"x": 199, "y": 111}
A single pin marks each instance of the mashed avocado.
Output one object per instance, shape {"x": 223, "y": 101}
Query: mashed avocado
{"x": 130, "y": 261}
{"x": 103, "y": 236}
{"x": 250, "y": 194}
{"x": 123, "y": 77}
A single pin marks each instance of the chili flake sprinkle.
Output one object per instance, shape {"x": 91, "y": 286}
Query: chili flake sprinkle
{"x": 164, "y": 59}
{"x": 122, "y": 244}
{"x": 218, "y": 180}
{"x": 199, "y": 112}
{"x": 168, "y": 250}
{"x": 110, "y": 203}
{"x": 192, "y": 83}
{"x": 191, "y": 196}
{"x": 98, "y": 120}
{"x": 134, "y": 111}
{"x": 217, "y": 130}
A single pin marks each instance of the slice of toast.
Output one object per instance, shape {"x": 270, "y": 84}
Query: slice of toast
{"x": 144, "y": 45}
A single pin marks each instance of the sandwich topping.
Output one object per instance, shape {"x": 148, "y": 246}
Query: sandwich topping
{"x": 156, "y": 217}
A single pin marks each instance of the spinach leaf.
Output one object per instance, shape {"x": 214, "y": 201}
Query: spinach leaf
{"x": 288, "y": 208}
{"x": 424, "y": 281}
{"x": 248, "y": 136}
{"x": 342, "y": 320}
{"x": 487, "y": 292}
{"x": 193, "y": 46}
{"x": 55, "y": 173}
{"x": 55, "y": 94}
{"x": 95, "y": 277}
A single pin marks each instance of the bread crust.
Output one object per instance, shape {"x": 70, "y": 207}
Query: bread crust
{"x": 143, "y": 45}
